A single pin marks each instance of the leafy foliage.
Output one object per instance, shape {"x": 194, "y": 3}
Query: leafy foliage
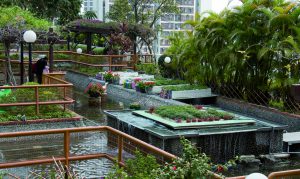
{"x": 164, "y": 82}
{"x": 250, "y": 47}
{"x": 64, "y": 10}
{"x": 150, "y": 68}
{"x": 184, "y": 87}
{"x": 192, "y": 164}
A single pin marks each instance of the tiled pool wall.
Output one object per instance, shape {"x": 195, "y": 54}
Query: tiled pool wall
{"x": 292, "y": 121}
{"x": 219, "y": 147}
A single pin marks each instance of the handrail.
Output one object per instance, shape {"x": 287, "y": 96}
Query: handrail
{"x": 67, "y": 133}
{"x": 66, "y": 100}
{"x": 286, "y": 173}
{"x": 67, "y": 140}
{"x": 275, "y": 175}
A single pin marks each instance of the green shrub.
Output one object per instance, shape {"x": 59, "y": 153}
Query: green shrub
{"x": 151, "y": 69}
{"x": 184, "y": 87}
{"x": 59, "y": 56}
{"x": 163, "y": 82}
{"x": 98, "y": 51}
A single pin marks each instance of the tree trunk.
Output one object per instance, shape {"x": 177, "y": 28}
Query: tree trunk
{"x": 8, "y": 74}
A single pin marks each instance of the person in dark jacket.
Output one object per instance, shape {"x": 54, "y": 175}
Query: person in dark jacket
{"x": 40, "y": 65}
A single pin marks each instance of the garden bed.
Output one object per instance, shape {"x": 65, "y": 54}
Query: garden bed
{"x": 185, "y": 92}
{"x": 39, "y": 121}
{"x": 183, "y": 117}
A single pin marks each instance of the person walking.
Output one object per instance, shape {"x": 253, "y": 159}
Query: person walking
{"x": 39, "y": 68}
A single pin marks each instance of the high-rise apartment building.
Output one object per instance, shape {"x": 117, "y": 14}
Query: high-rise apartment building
{"x": 169, "y": 23}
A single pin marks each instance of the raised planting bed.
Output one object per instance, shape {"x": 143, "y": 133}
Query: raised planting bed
{"x": 160, "y": 83}
{"x": 185, "y": 92}
{"x": 183, "y": 117}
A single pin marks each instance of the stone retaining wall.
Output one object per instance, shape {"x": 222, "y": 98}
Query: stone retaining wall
{"x": 80, "y": 80}
{"x": 129, "y": 95}
{"x": 118, "y": 93}
{"x": 262, "y": 112}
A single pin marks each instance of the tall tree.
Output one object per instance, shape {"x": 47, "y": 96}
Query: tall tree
{"x": 145, "y": 12}
{"x": 63, "y": 10}
{"x": 13, "y": 22}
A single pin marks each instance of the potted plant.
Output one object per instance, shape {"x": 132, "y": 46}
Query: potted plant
{"x": 140, "y": 87}
{"x": 134, "y": 83}
{"x": 94, "y": 90}
{"x": 116, "y": 79}
{"x": 149, "y": 86}
{"x": 108, "y": 76}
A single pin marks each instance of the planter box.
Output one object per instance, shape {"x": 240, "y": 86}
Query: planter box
{"x": 158, "y": 89}
{"x": 187, "y": 94}
{"x": 194, "y": 125}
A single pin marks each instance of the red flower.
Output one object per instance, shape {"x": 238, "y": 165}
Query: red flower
{"x": 174, "y": 168}
{"x": 220, "y": 168}
{"x": 198, "y": 107}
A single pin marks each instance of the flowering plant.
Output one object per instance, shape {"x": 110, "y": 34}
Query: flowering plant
{"x": 108, "y": 76}
{"x": 94, "y": 89}
{"x": 136, "y": 80}
{"x": 149, "y": 84}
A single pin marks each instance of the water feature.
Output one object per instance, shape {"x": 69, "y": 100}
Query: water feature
{"x": 92, "y": 142}
{"x": 221, "y": 143}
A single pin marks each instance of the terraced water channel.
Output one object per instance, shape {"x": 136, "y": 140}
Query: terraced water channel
{"x": 19, "y": 149}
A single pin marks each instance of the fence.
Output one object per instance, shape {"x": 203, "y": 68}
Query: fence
{"x": 54, "y": 92}
{"x": 87, "y": 63}
{"x": 111, "y": 144}
{"x": 65, "y": 139}
{"x": 269, "y": 98}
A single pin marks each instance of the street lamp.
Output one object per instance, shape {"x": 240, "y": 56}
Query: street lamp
{"x": 30, "y": 37}
{"x": 79, "y": 50}
{"x": 167, "y": 60}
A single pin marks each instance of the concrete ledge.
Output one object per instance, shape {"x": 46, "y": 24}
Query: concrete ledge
{"x": 263, "y": 112}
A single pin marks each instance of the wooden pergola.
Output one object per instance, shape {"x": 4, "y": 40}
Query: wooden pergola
{"x": 90, "y": 27}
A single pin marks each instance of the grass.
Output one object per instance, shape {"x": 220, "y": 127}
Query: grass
{"x": 190, "y": 112}
{"x": 162, "y": 82}
{"x": 184, "y": 87}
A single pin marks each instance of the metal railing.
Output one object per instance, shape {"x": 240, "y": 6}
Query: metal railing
{"x": 288, "y": 174}
{"x": 119, "y": 147}
{"x": 60, "y": 90}
{"x": 123, "y": 141}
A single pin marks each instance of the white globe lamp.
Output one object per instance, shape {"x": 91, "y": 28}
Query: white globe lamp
{"x": 29, "y": 36}
{"x": 256, "y": 176}
{"x": 167, "y": 60}
{"x": 79, "y": 50}
{"x": 234, "y": 3}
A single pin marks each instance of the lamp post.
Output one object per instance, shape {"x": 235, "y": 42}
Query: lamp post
{"x": 30, "y": 37}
